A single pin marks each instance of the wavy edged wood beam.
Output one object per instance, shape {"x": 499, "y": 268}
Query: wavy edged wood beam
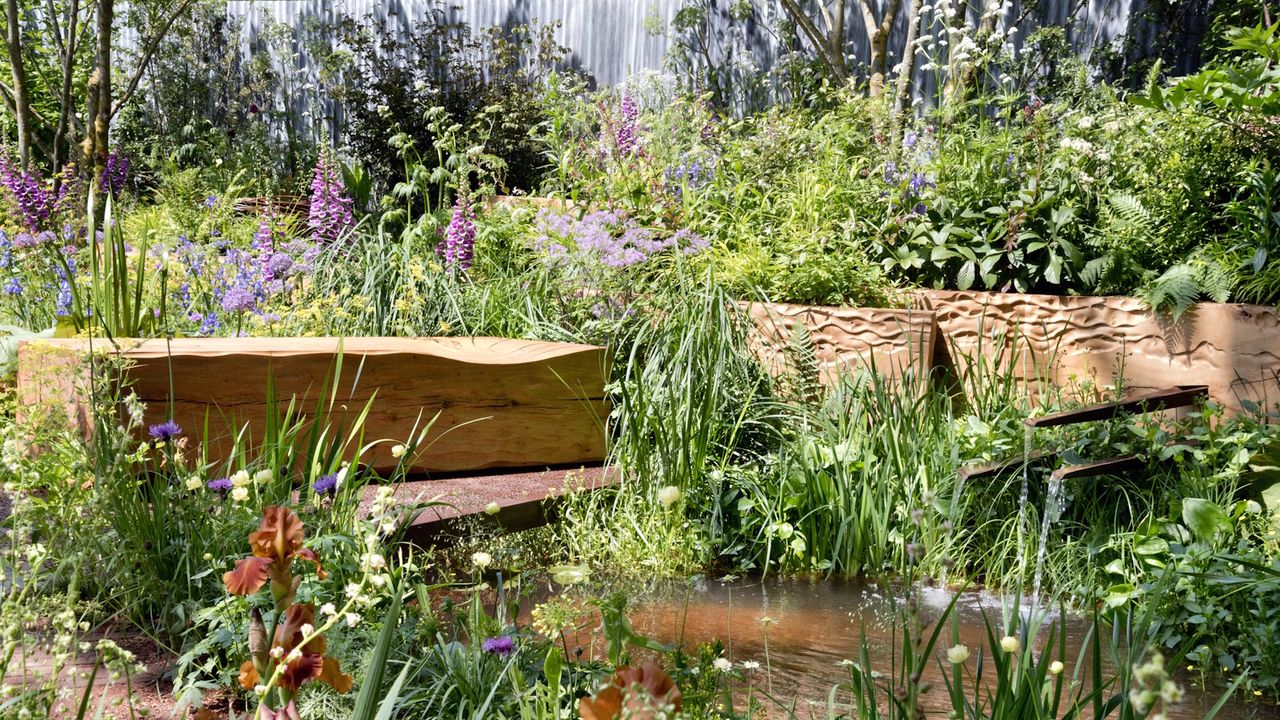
{"x": 501, "y": 402}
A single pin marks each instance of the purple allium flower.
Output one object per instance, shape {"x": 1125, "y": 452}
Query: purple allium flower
{"x": 279, "y": 265}
{"x": 238, "y": 299}
{"x": 326, "y": 485}
{"x": 114, "y": 173}
{"x": 330, "y": 211}
{"x": 165, "y": 431}
{"x": 220, "y": 485}
{"x": 459, "y": 241}
{"x": 502, "y": 646}
{"x": 626, "y": 137}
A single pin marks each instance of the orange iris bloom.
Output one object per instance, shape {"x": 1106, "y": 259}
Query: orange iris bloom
{"x": 275, "y": 544}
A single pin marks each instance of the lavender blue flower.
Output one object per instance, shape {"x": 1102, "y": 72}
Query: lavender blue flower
{"x": 626, "y": 136}
{"x": 65, "y": 300}
{"x": 326, "y": 484}
{"x": 917, "y": 184}
{"x": 165, "y": 431}
{"x": 13, "y": 287}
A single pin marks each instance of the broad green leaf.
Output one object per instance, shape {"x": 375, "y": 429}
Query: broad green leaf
{"x": 1206, "y": 519}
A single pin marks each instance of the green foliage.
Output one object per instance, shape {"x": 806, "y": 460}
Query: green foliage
{"x": 1182, "y": 286}
{"x": 389, "y": 82}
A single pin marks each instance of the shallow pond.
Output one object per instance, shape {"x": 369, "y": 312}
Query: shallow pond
{"x": 817, "y": 624}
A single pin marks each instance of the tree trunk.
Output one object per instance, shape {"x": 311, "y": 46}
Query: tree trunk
{"x": 963, "y": 74}
{"x": 21, "y": 97}
{"x": 879, "y": 48}
{"x": 98, "y": 135}
{"x": 65, "y": 96}
{"x": 830, "y": 47}
{"x": 903, "y": 99}
{"x": 878, "y": 41}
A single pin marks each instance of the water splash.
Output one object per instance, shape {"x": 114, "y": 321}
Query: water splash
{"x": 1054, "y": 503}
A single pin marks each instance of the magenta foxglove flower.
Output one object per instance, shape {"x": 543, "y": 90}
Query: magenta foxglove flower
{"x": 28, "y": 193}
{"x": 330, "y": 213}
{"x": 626, "y": 136}
{"x": 458, "y": 246}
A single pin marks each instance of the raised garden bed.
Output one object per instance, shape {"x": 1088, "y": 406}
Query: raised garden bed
{"x": 1234, "y": 349}
{"x": 892, "y": 341}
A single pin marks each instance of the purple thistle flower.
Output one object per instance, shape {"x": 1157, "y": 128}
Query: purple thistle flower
{"x": 165, "y": 431}
{"x": 220, "y": 485}
{"x": 502, "y": 646}
{"x": 326, "y": 485}
{"x": 458, "y": 246}
{"x": 330, "y": 211}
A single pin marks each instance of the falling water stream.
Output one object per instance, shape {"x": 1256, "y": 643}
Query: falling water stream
{"x": 1028, "y": 437}
{"x": 1053, "y": 507}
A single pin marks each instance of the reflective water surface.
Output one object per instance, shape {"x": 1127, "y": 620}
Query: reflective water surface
{"x": 814, "y": 625}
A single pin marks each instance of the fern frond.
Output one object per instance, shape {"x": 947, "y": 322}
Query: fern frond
{"x": 1174, "y": 292}
{"x": 804, "y": 384}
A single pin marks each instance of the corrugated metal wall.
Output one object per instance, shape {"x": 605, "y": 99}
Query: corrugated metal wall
{"x": 611, "y": 39}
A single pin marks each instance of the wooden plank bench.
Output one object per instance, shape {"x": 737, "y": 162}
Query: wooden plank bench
{"x": 500, "y": 402}
{"x": 536, "y": 407}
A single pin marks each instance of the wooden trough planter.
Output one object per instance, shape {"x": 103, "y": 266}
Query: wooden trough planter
{"x": 845, "y": 339}
{"x": 1233, "y": 349}
{"x": 502, "y": 403}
